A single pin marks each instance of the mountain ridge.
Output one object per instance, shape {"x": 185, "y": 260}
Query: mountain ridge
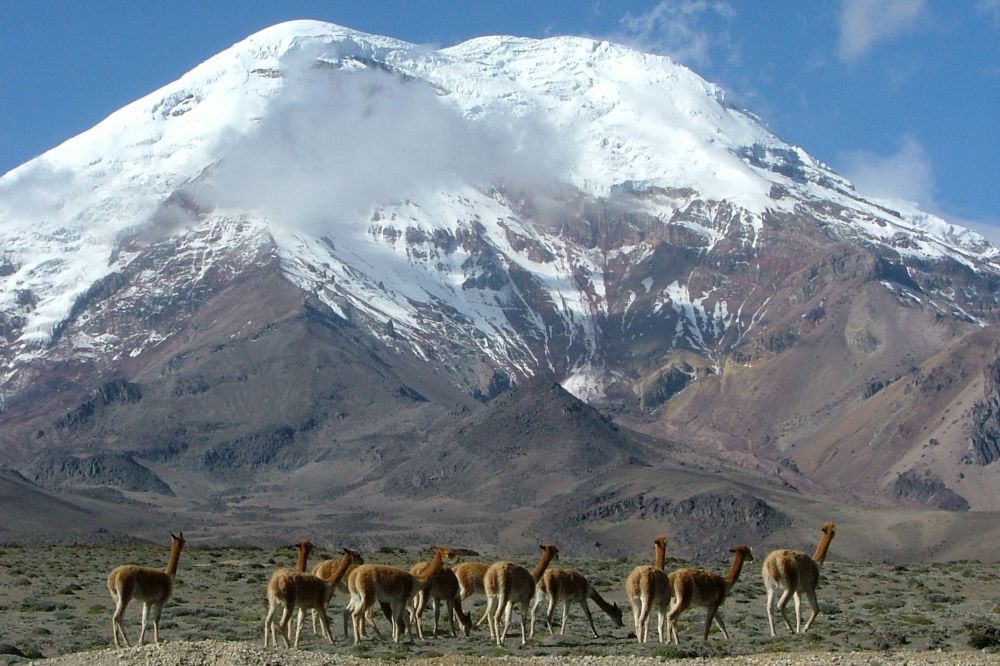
{"x": 442, "y": 225}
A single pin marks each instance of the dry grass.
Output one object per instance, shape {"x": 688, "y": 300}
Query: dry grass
{"x": 53, "y": 601}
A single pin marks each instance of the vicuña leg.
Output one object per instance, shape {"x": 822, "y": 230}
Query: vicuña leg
{"x": 814, "y": 604}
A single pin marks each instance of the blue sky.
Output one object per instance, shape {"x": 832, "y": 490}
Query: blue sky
{"x": 901, "y": 96}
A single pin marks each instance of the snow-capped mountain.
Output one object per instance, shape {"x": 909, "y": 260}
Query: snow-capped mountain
{"x": 495, "y": 210}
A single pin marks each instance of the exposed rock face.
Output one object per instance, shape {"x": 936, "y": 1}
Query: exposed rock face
{"x": 984, "y": 429}
{"x": 747, "y": 519}
{"x": 114, "y": 470}
{"x": 117, "y": 391}
{"x": 928, "y": 490}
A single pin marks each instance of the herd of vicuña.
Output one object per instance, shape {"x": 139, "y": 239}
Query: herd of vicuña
{"x": 402, "y": 595}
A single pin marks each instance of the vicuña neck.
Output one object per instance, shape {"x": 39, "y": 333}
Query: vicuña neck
{"x": 601, "y": 603}
{"x": 300, "y": 565}
{"x": 660, "y": 556}
{"x": 542, "y": 565}
{"x": 822, "y": 547}
{"x": 734, "y": 571}
{"x": 435, "y": 566}
{"x": 341, "y": 570}
{"x": 175, "y": 557}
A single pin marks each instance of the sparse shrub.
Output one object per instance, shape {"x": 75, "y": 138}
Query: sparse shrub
{"x": 585, "y": 651}
{"x": 673, "y": 653}
{"x": 31, "y": 652}
{"x": 890, "y": 638}
{"x": 36, "y": 605}
{"x": 918, "y": 620}
{"x": 828, "y": 607}
{"x": 884, "y": 604}
{"x": 983, "y": 634}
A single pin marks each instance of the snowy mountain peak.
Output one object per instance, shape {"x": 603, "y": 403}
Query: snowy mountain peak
{"x": 457, "y": 198}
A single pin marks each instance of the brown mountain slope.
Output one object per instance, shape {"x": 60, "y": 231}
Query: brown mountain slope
{"x": 846, "y": 380}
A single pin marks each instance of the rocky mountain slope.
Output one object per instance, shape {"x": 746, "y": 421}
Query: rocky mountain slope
{"x": 301, "y": 275}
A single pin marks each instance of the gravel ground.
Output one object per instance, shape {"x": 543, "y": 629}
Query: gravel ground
{"x": 217, "y": 653}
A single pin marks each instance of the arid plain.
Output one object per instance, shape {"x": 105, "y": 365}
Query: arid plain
{"x": 53, "y": 602}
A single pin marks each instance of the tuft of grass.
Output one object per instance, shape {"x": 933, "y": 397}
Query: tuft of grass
{"x": 882, "y": 605}
{"x": 918, "y": 620}
{"x": 37, "y": 605}
{"x": 983, "y": 634}
{"x": 31, "y": 651}
{"x": 585, "y": 651}
{"x": 890, "y": 638}
{"x": 673, "y": 652}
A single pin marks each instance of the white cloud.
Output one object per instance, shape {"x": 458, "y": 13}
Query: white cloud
{"x": 906, "y": 174}
{"x": 991, "y": 7}
{"x": 864, "y": 23}
{"x": 681, "y": 29}
{"x": 339, "y": 141}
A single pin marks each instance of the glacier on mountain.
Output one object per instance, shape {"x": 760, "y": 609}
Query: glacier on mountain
{"x": 424, "y": 189}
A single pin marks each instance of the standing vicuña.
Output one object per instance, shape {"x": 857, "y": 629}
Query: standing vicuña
{"x": 151, "y": 586}
{"x": 697, "y": 587}
{"x": 562, "y": 586}
{"x": 442, "y": 588}
{"x": 510, "y": 584}
{"x": 797, "y": 573}
{"x": 391, "y": 587}
{"x": 302, "y": 591}
{"x": 304, "y": 548}
{"x": 326, "y": 569}
{"x": 648, "y": 587}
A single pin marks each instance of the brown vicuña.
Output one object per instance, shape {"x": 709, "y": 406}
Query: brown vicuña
{"x": 369, "y": 616}
{"x": 470, "y": 581}
{"x": 648, "y": 587}
{"x": 698, "y": 587}
{"x": 563, "y": 586}
{"x": 442, "y": 588}
{"x": 508, "y": 584}
{"x": 151, "y": 586}
{"x": 798, "y": 574}
{"x": 326, "y": 569}
{"x": 391, "y": 586}
{"x": 303, "y": 591}
{"x": 304, "y": 548}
